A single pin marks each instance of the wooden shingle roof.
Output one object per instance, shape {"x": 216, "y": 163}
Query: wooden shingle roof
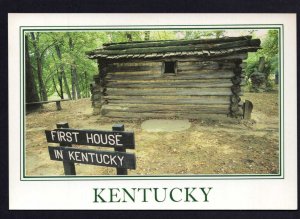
{"x": 171, "y": 48}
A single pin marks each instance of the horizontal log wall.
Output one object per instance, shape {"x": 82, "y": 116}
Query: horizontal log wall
{"x": 168, "y": 100}
{"x": 96, "y": 95}
{"x": 140, "y": 89}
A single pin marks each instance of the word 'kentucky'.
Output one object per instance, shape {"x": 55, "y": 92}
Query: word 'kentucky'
{"x": 90, "y": 157}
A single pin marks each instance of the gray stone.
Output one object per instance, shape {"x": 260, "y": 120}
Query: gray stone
{"x": 165, "y": 125}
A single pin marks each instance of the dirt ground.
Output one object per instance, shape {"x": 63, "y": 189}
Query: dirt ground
{"x": 209, "y": 146}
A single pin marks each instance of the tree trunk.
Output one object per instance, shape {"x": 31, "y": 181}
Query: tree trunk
{"x": 87, "y": 91}
{"x": 62, "y": 72}
{"x": 66, "y": 85}
{"x": 31, "y": 91}
{"x": 60, "y": 81}
{"x": 73, "y": 83}
{"x": 38, "y": 58}
{"x": 74, "y": 76}
{"x": 77, "y": 84}
{"x": 61, "y": 86}
{"x": 57, "y": 91}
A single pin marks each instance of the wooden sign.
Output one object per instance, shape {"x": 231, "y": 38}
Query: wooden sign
{"x": 92, "y": 137}
{"x": 117, "y": 138}
{"x": 94, "y": 157}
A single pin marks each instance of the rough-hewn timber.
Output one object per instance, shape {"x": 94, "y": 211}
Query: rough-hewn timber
{"x": 207, "y": 78}
{"x": 168, "y": 100}
{"x": 196, "y": 47}
{"x": 141, "y": 44}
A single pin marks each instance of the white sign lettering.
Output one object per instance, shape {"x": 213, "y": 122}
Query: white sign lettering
{"x": 105, "y": 139}
{"x": 90, "y": 157}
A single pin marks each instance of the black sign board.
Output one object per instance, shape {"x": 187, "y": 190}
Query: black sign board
{"x": 91, "y": 137}
{"x": 94, "y": 157}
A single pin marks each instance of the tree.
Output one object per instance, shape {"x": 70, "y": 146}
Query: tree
{"x": 31, "y": 90}
{"x": 269, "y": 66}
{"x": 38, "y": 57}
{"x": 270, "y": 50}
{"x": 62, "y": 71}
{"x": 74, "y": 76}
{"x": 60, "y": 92}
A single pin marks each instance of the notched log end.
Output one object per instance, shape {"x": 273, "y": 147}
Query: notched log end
{"x": 236, "y": 89}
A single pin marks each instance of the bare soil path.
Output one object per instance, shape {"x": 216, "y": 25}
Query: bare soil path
{"x": 209, "y": 146}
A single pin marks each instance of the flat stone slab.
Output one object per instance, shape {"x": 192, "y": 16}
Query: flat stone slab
{"x": 165, "y": 125}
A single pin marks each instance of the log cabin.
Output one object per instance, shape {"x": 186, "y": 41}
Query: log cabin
{"x": 171, "y": 78}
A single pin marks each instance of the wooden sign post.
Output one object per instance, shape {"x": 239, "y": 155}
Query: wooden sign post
{"x": 117, "y": 138}
{"x": 120, "y": 127}
{"x": 69, "y": 167}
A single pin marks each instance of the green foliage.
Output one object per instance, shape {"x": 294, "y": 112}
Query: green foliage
{"x": 270, "y": 44}
{"x": 270, "y": 52}
{"x": 203, "y": 34}
{"x": 252, "y": 64}
{"x": 83, "y": 41}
